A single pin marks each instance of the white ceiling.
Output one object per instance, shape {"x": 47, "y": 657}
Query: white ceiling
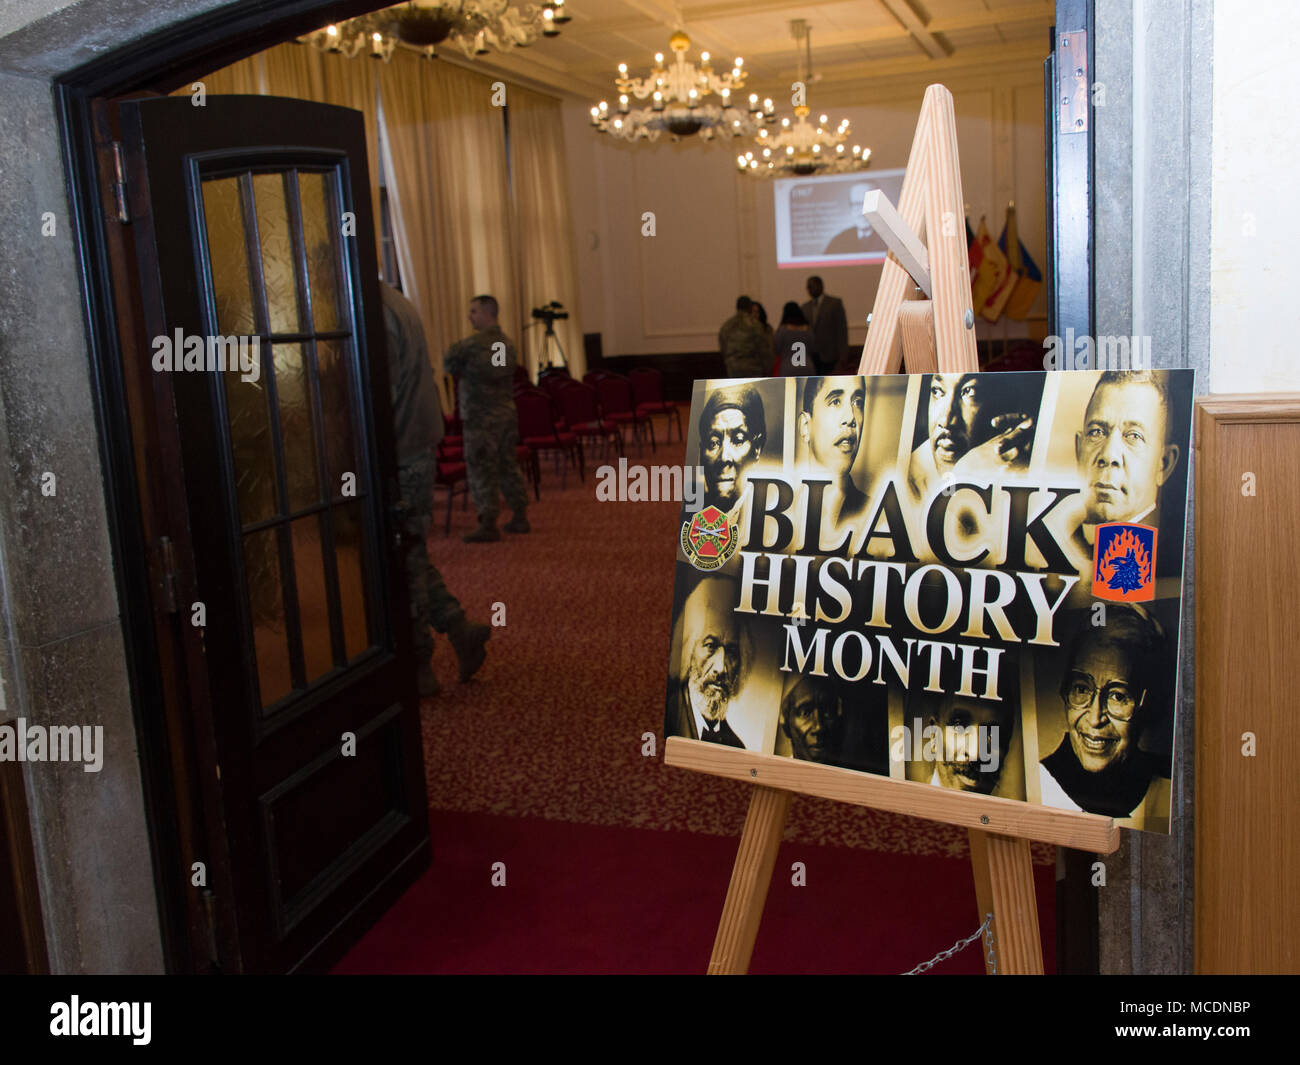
{"x": 854, "y": 42}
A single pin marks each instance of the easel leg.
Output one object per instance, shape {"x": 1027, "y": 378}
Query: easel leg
{"x": 750, "y": 877}
{"x": 1004, "y": 886}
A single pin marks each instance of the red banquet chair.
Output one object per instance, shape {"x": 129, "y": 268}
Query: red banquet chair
{"x": 450, "y": 475}
{"x": 538, "y": 432}
{"x": 648, "y": 395}
{"x": 452, "y": 445}
{"x": 615, "y": 394}
{"x": 582, "y": 415}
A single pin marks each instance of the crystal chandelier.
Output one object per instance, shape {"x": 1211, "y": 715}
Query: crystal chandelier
{"x": 469, "y": 25}
{"x": 800, "y": 148}
{"x": 679, "y": 103}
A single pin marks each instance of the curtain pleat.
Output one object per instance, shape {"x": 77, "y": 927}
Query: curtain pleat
{"x": 296, "y": 70}
{"x": 543, "y": 230}
{"x": 352, "y": 83}
{"x": 446, "y": 166}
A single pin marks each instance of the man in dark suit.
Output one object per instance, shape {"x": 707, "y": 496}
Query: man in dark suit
{"x": 716, "y": 652}
{"x": 830, "y": 327}
{"x": 1125, "y": 453}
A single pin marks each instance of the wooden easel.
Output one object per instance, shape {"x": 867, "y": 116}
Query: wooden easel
{"x": 932, "y": 334}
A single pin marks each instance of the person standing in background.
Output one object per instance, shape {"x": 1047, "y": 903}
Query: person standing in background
{"x": 760, "y": 316}
{"x": 485, "y": 363}
{"x": 830, "y": 327}
{"x": 744, "y": 345}
{"x": 792, "y": 344}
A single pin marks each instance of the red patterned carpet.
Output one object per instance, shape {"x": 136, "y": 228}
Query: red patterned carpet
{"x": 538, "y": 759}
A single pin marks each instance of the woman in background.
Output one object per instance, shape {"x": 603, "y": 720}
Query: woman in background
{"x": 760, "y": 316}
{"x": 792, "y": 344}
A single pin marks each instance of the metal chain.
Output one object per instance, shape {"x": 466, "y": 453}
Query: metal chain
{"x": 986, "y": 929}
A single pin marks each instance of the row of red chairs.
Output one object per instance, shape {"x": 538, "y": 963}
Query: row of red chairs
{"x": 624, "y": 400}
{"x": 558, "y": 414}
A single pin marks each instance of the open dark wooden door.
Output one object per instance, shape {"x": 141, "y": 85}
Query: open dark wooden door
{"x": 295, "y": 738}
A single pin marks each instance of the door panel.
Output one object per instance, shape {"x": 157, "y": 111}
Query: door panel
{"x": 242, "y": 235}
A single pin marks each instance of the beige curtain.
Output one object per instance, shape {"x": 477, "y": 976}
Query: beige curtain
{"x": 543, "y": 230}
{"x": 245, "y": 78}
{"x": 295, "y": 70}
{"x": 446, "y": 168}
{"x": 352, "y": 83}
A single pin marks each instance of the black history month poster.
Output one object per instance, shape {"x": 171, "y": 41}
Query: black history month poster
{"x": 971, "y": 580}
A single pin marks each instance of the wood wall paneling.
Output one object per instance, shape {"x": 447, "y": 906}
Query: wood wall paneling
{"x": 1247, "y": 653}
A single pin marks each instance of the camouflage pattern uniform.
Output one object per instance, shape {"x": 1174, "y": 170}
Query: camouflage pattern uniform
{"x": 417, "y": 424}
{"x": 745, "y": 347}
{"x": 491, "y": 426}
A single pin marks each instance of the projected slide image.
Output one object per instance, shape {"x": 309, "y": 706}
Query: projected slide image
{"x": 819, "y": 221}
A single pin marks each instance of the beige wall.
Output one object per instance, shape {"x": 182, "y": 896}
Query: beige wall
{"x": 1255, "y": 227}
{"x": 715, "y": 234}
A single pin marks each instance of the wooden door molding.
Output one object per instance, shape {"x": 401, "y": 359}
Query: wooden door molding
{"x": 158, "y": 62}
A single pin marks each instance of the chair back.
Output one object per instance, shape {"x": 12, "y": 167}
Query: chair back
{"x": 577, "y": 403}
{"x": 534, "y": 410}
{"x": 591, "y": 377}
{"x": 553, "y": 380}
{"x": 615, "y": 394}
{"x": 647, "y": 385}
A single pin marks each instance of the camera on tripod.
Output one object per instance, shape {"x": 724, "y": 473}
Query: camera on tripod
{"x": 550, "y": 312}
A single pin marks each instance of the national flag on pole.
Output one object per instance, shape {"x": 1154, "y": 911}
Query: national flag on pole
{"x": 992, "y": 268}
{"x": 991, "y": 309}
{"x": 974, "y": 253}
{"x": 1030, "y": 281}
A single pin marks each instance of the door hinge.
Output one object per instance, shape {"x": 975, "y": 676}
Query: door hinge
{"x": 1073, "y": 94}
{"x": 210, "y": 917}
{"x": 119, "y": 185}
{"x": 167, "y": 563}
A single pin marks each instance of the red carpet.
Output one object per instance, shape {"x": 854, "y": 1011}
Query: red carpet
{"x": 593, "y": 899}
{"x": 616, "y": 863}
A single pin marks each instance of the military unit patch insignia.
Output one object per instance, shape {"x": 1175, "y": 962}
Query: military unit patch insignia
{"x": 1124, "y": 563}
{"x": 708, "y": 539}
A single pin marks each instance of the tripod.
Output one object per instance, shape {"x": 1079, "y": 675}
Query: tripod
{"x": 549, "y": 338}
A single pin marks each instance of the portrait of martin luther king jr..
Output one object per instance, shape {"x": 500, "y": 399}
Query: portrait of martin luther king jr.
{"x": 979, "y": 425}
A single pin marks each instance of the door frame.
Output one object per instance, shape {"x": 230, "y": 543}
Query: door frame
{"x": 1071, "y": 300}
{"x": 162, "y": 61}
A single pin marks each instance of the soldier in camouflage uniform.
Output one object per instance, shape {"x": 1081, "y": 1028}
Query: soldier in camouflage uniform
{"x": 485, "y": 364}
{"x": 745, "y": 346}
{"x": 417, "y": 427}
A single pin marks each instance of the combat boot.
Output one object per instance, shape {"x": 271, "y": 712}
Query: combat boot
{"x": 486, "y": 533}
{"x": 518, "y": 524}
{"x": 467, "y": 640}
